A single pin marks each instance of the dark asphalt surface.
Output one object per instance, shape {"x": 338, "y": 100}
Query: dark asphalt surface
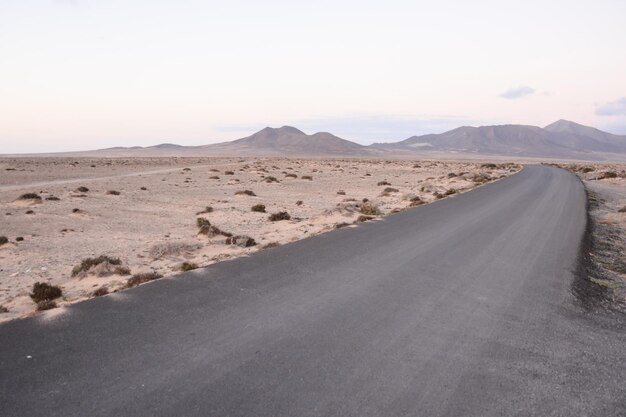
{"x": 460, "y": 308}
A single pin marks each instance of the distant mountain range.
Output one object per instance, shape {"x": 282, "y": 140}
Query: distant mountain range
{"x": 562, "y": 139}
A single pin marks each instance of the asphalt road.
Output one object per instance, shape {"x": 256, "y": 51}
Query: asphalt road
{"x": 464, "y": 307}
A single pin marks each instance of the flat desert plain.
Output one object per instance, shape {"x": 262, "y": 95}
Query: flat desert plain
{"x": 164, "y": 215}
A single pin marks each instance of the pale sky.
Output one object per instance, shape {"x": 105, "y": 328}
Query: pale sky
{"x": 87, "y": 74}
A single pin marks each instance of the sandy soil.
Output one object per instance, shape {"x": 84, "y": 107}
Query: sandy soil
{"x": 607, "y": 184}
{"x": 151, "y": 225}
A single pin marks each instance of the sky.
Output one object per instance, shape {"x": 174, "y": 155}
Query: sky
{"x": 90, "y": 74}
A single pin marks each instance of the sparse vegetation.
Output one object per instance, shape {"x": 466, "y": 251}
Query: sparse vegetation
{"x": 241, "y": 240}
{"x": 3, "y": 240}
{"x": 30, "y": 196}
{"x": 100, "y": 292}
{"x": 207, "y": 229}
{"x": 82, "y": 189}
{"x": 281, "y": 215}
{"x": 307, "y": 177}
{"x": 341, "y": 192}
{"x": 490, "y": 166}
{"x": 88, "y": 263}
{"x": 3, "y": 309}
{"x": 341, "y": 225}
{"x": 299, "y": 203}
{"x": 113, "y": 192}
{"x": 45, "y": 292}
{"x": 451, "y": 191}
{"x": 381, "y": 183}
{"x": 363, "y": 218}
{"x": 271, "y": 179}
{"x": 161, "y": 250}
{"x": 291, "y": 176}
{"x": 207, "y": 209}
{"x": 370, "y": 210}
{"x": 188, "y": 266}
{"x": 214, "y": 177}
{"x": 229, "y": 173}
{"x": 246, "y": 192}
{"x": 270, "y": 245}
{"x": 142, "y": 278}
{"x": 259, "y": 208}
{"x": 53, "y": 198}
{"x": 18, "y": 239}
{"x": 44, "y": 305}
{"x": 608, "y": 174}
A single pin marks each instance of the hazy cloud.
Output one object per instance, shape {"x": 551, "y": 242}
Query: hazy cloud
{"x": 613, "y": 108}
{"x": 518, "y": 92}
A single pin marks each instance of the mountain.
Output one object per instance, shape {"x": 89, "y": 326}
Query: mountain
{"x": 562, "y": 139}
{"x": 289, "y": 140}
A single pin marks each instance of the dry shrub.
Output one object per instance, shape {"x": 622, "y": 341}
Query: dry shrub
{"x": 246, "y": 192}
{"x": 241, "y": 240}
{"x": 307, "y": 177}
{"x": 281, "y": 215}
{"x": 270, "y": 245}
{"x": 370, "y": 210}
{"x": 161, "y": 250}
{"x": 207, "y": 209}
{"x": 416, "y": 201}
{"x": 30, "y": 196}
{"x": 188, "y": 266}
{"x": 451, "y": 191}
{"x": 107, "y": 267}
{"x": 299, "y": 203}
{"x": 53, "y": 198}
{"x": 3, "y": 240}
{"x": 490, "y": 166}
{"x": 363, "y": 218}
{"x": 45, "y": 292}
{"x": 341, "y": 192}
{"x": 229, "y": 173}
{"x": 259, "y": 208}
{"x": 291, "y": 176}
{"x": 342, "y": 224}
{"x": 271, "y": 179}
{"x": 142, "y": 278}
{"x": 381, "y": 183}
{"x": 44, "y": 305}
{"x": 207, "y": 229}
{"x": 214, "y": 177}
{"x": 100, "y": 292}
{"x": 82, "y": 189}
{"x": 113, "y": 192}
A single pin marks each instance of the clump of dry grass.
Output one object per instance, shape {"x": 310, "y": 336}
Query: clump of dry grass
{"x": 281, "y": 215}
{"x": 270, "y": 245}
{"x": 142, "y": 278}
{"x": 30, "y": 196}
{"x": 259, "y": 208}
{"x": 45, "y": 292}
{"x": 101, "y": 266}
{"x": 207, "y": 229}
{"x": 246, "y": 192}
{"x": 161, "y": 250}
{"x": 207, "y": 209}
{"x": 188, "y": 266}
{"x": 44, "y": 305}
{"x": 241, "y": 240}
{"x": 100, "y": 292}
{"x": 370, "y": 210}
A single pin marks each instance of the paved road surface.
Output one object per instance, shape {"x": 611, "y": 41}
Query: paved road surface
{"x": 460, "y": 308}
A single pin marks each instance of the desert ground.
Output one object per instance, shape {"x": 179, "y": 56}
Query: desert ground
{"x": 606, "y": 185}
{"x": 158, "y": 216}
